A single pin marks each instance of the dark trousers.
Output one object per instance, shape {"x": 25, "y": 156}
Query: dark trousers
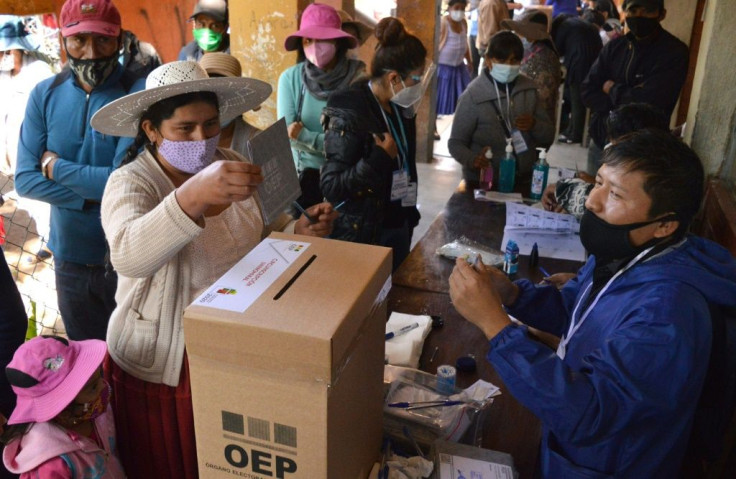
{"x": 399, "y": 239}
{"x": 475, "y": 55}
{"x": 576, "y": 125}
{"x": 86, "y": 297}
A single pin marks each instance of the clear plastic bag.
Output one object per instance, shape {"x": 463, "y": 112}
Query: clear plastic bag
{"x": 458, "y": 423}
{"x": 462, "y": 247}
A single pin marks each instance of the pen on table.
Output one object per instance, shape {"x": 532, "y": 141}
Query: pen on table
{"x": 425, "y": 404}
{"x": 545, "y": 273}
{"x": 534, "y": 256}
{"x": 401, "y": 331}
{"x": 303, "y": 211}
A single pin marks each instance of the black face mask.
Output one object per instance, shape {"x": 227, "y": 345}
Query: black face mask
{"x": 607, "y": 241}
{"x": 642, "y": 27}
{"x": 93, "y": 72}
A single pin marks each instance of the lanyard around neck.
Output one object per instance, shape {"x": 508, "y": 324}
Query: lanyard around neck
{"x": 575, "y": 326}
{"x": 401, "y": 141}
{"x": 506, "y": 119}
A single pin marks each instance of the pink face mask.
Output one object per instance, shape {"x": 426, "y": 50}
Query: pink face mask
{"x": 320, "y": 53}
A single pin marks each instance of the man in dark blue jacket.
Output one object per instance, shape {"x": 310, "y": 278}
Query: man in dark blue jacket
{"x": 618, "y": 397}
{"x": 64, "y": 162}
{"x": 647, "y": 65}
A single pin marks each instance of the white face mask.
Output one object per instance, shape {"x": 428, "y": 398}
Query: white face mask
{"x": 410, "y": 97}
{"x": 457, "y": 15}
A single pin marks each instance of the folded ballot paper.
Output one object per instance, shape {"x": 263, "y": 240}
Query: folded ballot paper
{"x": 409, "y": 331}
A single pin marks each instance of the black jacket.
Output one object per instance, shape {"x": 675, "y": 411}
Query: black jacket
{"x": 13, "y": 325}
{"x": 579, "y": 43}
{"x": 650, "y": 71}
{"x": 360, "y": 172}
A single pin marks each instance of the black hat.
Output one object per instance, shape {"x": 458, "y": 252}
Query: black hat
{"x": 644, "y": 3}
{"x": 216, "y": 9}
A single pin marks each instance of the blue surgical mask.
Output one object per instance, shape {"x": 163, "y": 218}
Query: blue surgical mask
{"x": 503, "y": 73}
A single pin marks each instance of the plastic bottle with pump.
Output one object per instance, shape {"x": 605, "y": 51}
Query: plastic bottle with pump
{"x": 539, "y": 175}
{"x": 508, "y": 170}
{"x": 486, "y": 174}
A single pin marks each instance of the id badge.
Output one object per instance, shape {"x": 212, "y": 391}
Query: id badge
{"x": 518, "y": 141}
{"x": 562, "y": 348}
{"x": 399, "y": 185}
{"x": 411, "y": 195}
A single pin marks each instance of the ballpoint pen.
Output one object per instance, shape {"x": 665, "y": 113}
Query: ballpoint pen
{"x": 424, "y": 404}
{"x": 401, "y": 331}
{"x": 544, "y": 272}
{"x": 339, "y": 205}
{"x": 304, "y": 212}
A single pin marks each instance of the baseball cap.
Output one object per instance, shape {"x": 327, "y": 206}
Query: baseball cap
{"x": 48, "y": 372}
{"x": 94, "y": 16}
{"x": 216, "y": 9}
{"x": 643, "y": 3}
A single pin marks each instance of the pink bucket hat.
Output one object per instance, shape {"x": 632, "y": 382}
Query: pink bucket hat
{"x": 48, "y": 372}
{"x": 321, "y": 22}
{"x": 94, "y": 16}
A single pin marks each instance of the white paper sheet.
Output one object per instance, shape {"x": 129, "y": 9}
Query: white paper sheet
{"x": 458, "y": 467}
{"x": 556, "y": 234}
{"x": 240, "y": 287}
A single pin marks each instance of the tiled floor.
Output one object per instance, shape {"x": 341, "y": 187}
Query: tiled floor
{"x": 438, "y": 179}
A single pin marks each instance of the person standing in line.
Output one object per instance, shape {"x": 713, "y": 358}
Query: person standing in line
{"x": 647, "y": 65}
{"x": 209, "y": 28}
{"x": 579, "y": 43}
{"x": 370, "y": 144}
{"x": 490, "y": 15}
{"x": 62, "y": 160}
{"x": 454, "y": 60}
{"x": 303, "y": 89}
{"x": 541, "y": 62}
{"x": 559, "y": 7}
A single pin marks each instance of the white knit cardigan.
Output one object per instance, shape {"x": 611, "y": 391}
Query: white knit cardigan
{"x": 147, "y": 232}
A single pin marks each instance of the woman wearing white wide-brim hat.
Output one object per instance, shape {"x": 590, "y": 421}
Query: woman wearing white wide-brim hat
{"x": 176, "y": 217}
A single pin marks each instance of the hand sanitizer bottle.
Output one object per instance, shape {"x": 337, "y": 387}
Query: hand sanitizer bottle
{"x": 486, "y": 174}
{"x": 539, "y": 175}
{"x": 508, "y": 170}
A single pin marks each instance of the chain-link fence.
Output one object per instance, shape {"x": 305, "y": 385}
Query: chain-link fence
{"x": 32, "y": 266}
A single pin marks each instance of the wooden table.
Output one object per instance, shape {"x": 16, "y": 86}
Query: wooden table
{"x": 420, "y": 286}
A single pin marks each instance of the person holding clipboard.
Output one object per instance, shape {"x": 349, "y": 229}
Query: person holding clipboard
{"x": 500, "y": 104}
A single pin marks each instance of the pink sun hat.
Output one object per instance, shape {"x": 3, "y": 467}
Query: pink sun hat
{"x": 48, "y": 372}
{"x": 320, "y": 22}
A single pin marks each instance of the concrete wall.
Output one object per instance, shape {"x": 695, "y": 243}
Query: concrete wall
{"x": 711, "y": 119}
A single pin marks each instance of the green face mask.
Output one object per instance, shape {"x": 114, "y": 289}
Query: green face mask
{"x": 207, "y": 39}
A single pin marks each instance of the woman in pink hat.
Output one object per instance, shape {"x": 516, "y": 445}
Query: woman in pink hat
{"x": 304, "y": 88}
{"x": 62, "y": 425}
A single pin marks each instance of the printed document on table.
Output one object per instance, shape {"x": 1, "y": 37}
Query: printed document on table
{"x": 458, "y": 467}
{"x": 557, "y": 235}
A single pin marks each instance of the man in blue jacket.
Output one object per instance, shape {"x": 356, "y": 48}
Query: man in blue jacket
{"x": 64, "y": 162}
{"x": 647, "y": 65}
{"x": 618, "y": 396}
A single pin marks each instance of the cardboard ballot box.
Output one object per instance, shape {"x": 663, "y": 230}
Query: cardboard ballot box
{"x": 286, "y": 358}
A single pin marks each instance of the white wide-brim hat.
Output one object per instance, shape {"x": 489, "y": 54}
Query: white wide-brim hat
{"x": 235, "y": 96}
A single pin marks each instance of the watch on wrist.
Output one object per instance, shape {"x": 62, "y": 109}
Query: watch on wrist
{"x": 45, "y": 165}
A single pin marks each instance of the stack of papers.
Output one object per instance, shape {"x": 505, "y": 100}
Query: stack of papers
{"x": 557, "y": 235}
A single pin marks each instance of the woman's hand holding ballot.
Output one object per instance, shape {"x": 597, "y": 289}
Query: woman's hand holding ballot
{"x": 218, "y": 184}
{"x": 478, "y": 293}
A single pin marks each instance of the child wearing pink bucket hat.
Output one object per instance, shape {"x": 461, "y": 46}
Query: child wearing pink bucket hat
{"x": 62, "y": 425}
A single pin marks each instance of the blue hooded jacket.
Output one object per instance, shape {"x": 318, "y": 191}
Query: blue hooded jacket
{"x": 621, "y": 402}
